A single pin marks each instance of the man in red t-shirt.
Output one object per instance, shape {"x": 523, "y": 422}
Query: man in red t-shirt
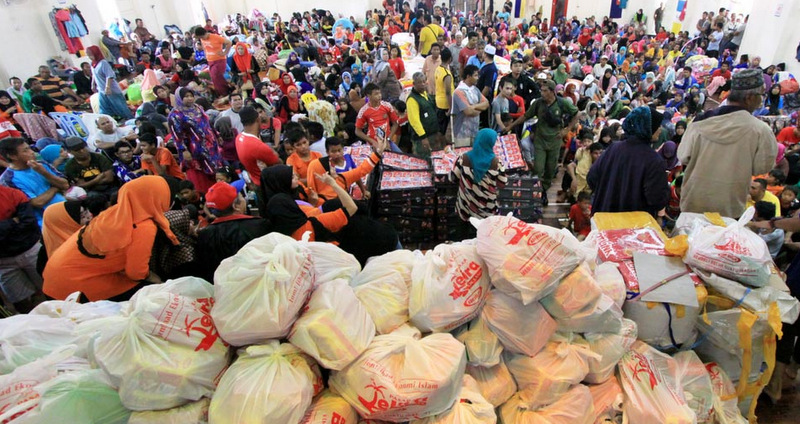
{"x": 251, "y": 150}
{"x": 469, "y": 50}
{"x": 378, "y": 116}
{"x": 722, "y": 72}
{"x": 789, "y": 136}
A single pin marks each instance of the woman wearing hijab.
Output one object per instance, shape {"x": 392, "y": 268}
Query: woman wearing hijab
{"x": 289, "y": 105}
{"x": 245, "y": 68}
{"x": 344, "y": 87}
{"x": 227, "y": 136}
{"x": 286, "y": 80}
{"x": 8, "y": 107}
{"x": 480, "y": 175}
{"x": 56, "y": 156}
{"x": 281, "y": 179}
{"x": 262, "y": 92}
{"x": 560, "y": 76}
{"x": 647, "y": 86}
{"x": 385, "y": 78}
{"x": 630, "y": 176}
{"x": 104, "y": 82}
{"x": 608, "y": 81}
{"x": 621, "y": 54}
{"x": 199, "y": 152}
{"x": 109, "y": 258}
{"x": 680, "y": 129}
{"x": 292, "y": 61}
{"x": 62, "y": 220}
{"x": 669, "y": 152}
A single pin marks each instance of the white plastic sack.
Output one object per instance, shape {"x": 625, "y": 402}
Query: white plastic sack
{"x": 607, "y": 399}
{"x": 331, "y": 262}
{"x": 523, "y": 261}
{"x": 611, "y": 282}
{"x": 448, "y": 287}
{"x": 191, "y": 413}
{"x": 76, "y": 397}
{"x": 754, "y": 299}
{"x": 726, "y": 408}
{"x": 654, "y": 323}
{"x": 652, "y": 395}
{"x": 270, "y": 383}
{"x": 402, "y": 377}
{"x": 330, "y": 408}
{"x": 496, "y": 383}
{"x": 78, "y": 312}
{"x": 483, "y": 346}
{"x": 164, "y": 351}
{"x": 386, "y": 301}
{"x": 545, "y": 377}
{"x": 470, "y": 408}
{"x": 578, "y": 291}
{"x": 520, "y": 328}
{"x": 696, "y": 384}
{"x": 574, "y": 407}
{"x": 401, "y": 261}
{"x": 687, "y": 221}
{"x": 609, "y": 347}
{"x": 26, "y": 338}
{"x": 733, "y": 252}
{"x": 604, "y": 317}
{"x": 334, "y": 327}
{"x": 259, "y": 291}
{"x": 722, "y": 343}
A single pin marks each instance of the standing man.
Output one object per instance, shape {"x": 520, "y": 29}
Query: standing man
{"x": 468, "y": 51}
{"x": 737, "y": 35}
{"x": 468, "y": 103}
{"x": 39, "y": 181}
{"x": 216, "y": 48}
{"x": 550, "y": 131}
{"x": 379, "y": 117}
{"x": 524, "y": 86}
{"x": 428, "y": 35}
{"x": 421, "y": 111}
{"x": 658, "y": 15}
{"x": 253, "y": 153}
{"x": 487, "y": 79}
{"x": 730, "y": 132}
{"x": 430, "y": 66}
{"x": 455, "y": 50}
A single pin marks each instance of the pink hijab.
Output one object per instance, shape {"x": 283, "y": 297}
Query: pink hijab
{"x": 781, "y": 152}
{"x": 150, "y": 79}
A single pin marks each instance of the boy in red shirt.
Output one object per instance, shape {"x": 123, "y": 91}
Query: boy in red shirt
{"x": 579, "y": 216}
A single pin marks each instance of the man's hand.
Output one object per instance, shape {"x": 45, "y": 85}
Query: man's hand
{"x": 37, "y": 166}
{"x": 146, "y": 157}
{"x": 380, "y": 147}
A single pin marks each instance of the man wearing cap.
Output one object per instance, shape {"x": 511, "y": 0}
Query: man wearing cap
{"x": 487, "y": 79}
{"x": 599, "y": 68}
{"x": 590, "y": 87}
{"x": 92, "y": 172}
{"x": 550, "y": 130}
{"x": 722, "y": 149}
{"x": 229, "y": 232}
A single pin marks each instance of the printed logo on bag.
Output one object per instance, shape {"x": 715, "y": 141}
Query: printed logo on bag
{"x": 379, "y": 402}
{"x": 465, "y": 278}
{"x": 734, "y": 247}
{"x": 205, "y": 325}
{"x": 30, "y": 395}
{"x": 642, "y": 365}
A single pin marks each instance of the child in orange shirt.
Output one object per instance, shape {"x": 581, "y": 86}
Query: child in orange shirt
{"x": 302, "y": 155}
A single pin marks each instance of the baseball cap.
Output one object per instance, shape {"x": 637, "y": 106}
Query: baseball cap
{"x": 489, "y": 49}
{"x": 588, "y": 80}
{"x": 220, "y": 196}
{"x": 74, "y": 143}
{"x": 541, "y": 75}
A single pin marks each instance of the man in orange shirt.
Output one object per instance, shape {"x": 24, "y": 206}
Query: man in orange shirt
{"x": 158, "y": 160}
{"x": 302, "y": 155}
{"x": 216, "y": 48}
{"x": 333, "y": 147}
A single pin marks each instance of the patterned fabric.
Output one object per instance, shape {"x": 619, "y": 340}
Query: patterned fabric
{"x": 169, "y": 257}
{"x": 637, "y": 123}
{"x": 37, "y": 126}
{"x": 324, "y": 113}
{"x": 477, "y": 198}
{"x": 192, "y": 131}
{"x": 125, "y": 172}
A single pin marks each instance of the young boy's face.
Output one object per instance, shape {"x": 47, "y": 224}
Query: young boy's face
{"x": 301, "y": 146}
{"x": 187, "y": 194}
{"x": 288, "y": 148}
{"x": 585, "y": 142}
{"x": 596, "y": 155}
{"x": 586, "y": 207}
{"x": 787, "y": 197}
{"x": 336, "y": 153}
{"x": 508, "y": 90}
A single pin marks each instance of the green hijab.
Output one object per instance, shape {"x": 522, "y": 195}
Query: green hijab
{"x": 560, "y": 76}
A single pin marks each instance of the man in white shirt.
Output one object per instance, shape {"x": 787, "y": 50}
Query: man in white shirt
{"x": 600, "y": 68}
{"x": 109, "y": 135}
{"x": 316, "y": 137}
{"x": 233, "y": 113}
{"x": 714, "y": 41}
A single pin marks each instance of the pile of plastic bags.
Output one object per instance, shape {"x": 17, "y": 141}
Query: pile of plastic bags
{"x": 522, "y": 325}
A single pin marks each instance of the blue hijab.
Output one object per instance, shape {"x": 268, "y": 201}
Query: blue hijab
{"x": 344, "y": 83}
{"x": 51, "y": 153}
{"x": 482, "y": 153}
{"x": 638, "y": 124}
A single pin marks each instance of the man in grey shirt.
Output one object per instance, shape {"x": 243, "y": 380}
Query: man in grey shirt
{"x": 233, "y": 112}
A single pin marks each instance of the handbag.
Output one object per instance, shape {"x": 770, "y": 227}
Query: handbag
{"x": 247, "y": 85}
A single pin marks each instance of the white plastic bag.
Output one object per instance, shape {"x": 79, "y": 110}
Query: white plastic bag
{"x": 401, "y": 377}
{"x": 726, "y": 408}
{"x": 470, "y": 408}
{"x": 448, "y": 287}
{"x": 610, "y": 347}
{"x": 545, "y": 377}
{"x": 520, "y": 328}
{"x": 400, "y": 261}
{"x": 191, "y": 413}
{"x": 164, "y": 351}
{"x": 259, "y": 291}
{"x": 578, "y": 291}
{"x": 603, "y": 317}
{"x": 733, "y": 252}
{"x": 483, "y": 346}
{"x": 607, "y": 399}
{"x": 652, "y": 394}
{"x": 722, "y": 343}
{"x": 334, "y": 327}
{"x": 754, "y": 299}
{"x": 331, "y": 262}
{"x": 696, "y": 384}
{"x": 496, "y": 383}
{"x": 330, "y": 408}
{"x": 523, "y": 261}
{"x": 26, "y": 338}
{"x": 270, "y": 383}
{"x": 78, "y": 312}
{"x": 663, "y": 325}
{"x": 386, "y": 301}
{"x": 574, "y": 407}
{"x": 611, "y": 282}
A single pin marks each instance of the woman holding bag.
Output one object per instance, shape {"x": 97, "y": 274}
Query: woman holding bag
{"x": 245, "y": 67}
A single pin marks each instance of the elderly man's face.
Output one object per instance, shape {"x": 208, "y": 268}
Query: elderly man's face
{"x": 420, "y": 84}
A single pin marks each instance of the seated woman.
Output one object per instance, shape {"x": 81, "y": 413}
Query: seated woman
{"x": 62, "y": 220}
{"x": 290, "y": 105}
{"x": 110, "y": 257}
{"x": 480, "y": 175}
{"x": 281, "y": 179}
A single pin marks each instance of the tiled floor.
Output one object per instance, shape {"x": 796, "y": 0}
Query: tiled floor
{"x": 787, "y": 411}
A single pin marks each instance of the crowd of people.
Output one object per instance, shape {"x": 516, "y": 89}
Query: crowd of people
{"x": 210, "y": 138}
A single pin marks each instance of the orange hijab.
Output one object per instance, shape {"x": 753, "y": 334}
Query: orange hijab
{"x": 243, "y": 61}
{"x": 57, "y": 227}
{"x": 145, "y": 198}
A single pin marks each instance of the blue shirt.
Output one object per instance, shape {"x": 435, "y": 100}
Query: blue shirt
{"x": 32, "y": 184}
{"x": 473, "y": 60}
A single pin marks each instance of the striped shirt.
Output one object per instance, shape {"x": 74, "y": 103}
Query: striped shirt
{"x": 478, "y": 199}
{"x": 53, "y": 86}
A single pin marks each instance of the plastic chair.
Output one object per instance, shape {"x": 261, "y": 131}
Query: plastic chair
{"x": 71, "y": 124}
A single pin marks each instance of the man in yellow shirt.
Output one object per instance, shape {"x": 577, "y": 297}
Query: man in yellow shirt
{"x": 428, "y": 35}
{"x": 758, "y": 192}
{"x": 443, "y": 89}
{"x": 422, "y": 116}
